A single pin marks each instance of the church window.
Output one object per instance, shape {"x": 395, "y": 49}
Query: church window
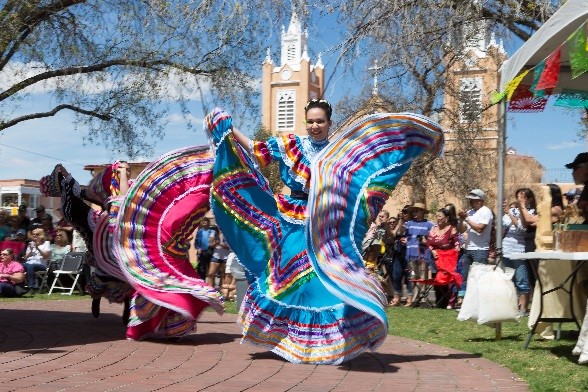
{"x": 470, "y": 100}
{"x": 291, "y": 53}
{"x": 286, "y": 101}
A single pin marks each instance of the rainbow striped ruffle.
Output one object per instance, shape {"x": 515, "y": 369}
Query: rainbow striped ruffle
{"x": 351, "y": 180}
{"x": 156, "y": 219}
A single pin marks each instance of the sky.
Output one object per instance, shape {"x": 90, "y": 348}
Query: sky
{"x": 31, "y": 149}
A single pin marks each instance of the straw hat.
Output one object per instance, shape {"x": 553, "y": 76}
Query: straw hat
{"x": 420, "y": 206}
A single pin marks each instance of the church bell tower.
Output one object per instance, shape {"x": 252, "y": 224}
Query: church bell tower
{"x": 288, "y": 86}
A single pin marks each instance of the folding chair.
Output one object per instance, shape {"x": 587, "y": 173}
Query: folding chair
{"x": 72, "y": 266}
{"x": 445, "y": 276}
{"x": 44, "y": 276}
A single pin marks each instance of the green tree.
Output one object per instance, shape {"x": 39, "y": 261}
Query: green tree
{"x": 120, "y": 66}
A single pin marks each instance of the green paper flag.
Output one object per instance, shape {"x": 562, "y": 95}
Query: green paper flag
{"x": 496, "y": 97}
{"x": 578, "y": 53}
{"x": 572, "y": 99}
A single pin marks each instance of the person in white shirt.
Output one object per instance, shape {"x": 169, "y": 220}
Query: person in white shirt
{"x": 477, "y": 223}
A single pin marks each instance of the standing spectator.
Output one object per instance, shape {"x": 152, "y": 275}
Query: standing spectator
{"x": 11, "y": 273}
{"x": 218, "y": 262}
{"x": 572, "y": 196}
{"x": 36, "y": 257}
{"x": 527, "y": 206}
{"x": 443, "y": 242}
{"x": 418, "y": 255}
{"x": 477, "y": 224}
{"x": 204, "y": 249}
{"x": 514, "y": 242}
{"x": 580, "y": 173}
{"x": 378, "y": 230}
{"x": 400, "y": 269}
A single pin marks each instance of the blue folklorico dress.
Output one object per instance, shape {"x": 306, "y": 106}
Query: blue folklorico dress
{"x": 310, "y": 300}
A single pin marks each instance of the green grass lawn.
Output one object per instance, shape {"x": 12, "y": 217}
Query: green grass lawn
{"x": 545, "y": 365}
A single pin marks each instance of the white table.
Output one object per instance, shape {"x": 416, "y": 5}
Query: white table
{"x": 554, "y": 256}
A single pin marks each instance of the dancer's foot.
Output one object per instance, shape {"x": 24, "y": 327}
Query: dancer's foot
{"x": 96, "y": 307}
{"x": 126, "y": 312}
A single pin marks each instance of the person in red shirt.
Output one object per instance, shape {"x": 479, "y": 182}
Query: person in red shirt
{"x": 11, "y": 273}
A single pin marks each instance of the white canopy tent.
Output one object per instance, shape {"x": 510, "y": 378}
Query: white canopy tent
{"x": 541, "y": 44}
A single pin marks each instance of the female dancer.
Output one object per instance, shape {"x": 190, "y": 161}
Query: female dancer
{"x": 311, "y": 300}
{"x": 103, "y": 190}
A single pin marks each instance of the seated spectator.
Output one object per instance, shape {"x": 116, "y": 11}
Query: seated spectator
{"x": 60, "y": 247}
{"x": 38, "y": 219}
{"x": 5, "y": 228}
{"x": 11, "y": 274}
{"x": 64, "y": 224}
{"x": 23, "y": 220}
{"x": 17, "y": 233}
{"x": 37, "y": 253}
{"x": 47, "y": 225}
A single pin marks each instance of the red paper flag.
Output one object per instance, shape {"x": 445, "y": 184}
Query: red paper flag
{"x": 550, "y": 73}
{"x": 523, "y": 100}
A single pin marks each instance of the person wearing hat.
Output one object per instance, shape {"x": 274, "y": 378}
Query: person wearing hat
{"x": 417, "y": 253}
{"x": 580, "y": 173}
{"x": 573, "y": 195}
{"x": 477, "y": 223}
{"x": 23, "y": 220}
{"x": 37, "y": 221}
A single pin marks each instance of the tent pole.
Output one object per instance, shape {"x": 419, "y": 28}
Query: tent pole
{"x": 500, "y": 179}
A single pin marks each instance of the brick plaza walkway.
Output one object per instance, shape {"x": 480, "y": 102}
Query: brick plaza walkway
{"x": 59, "y": 346}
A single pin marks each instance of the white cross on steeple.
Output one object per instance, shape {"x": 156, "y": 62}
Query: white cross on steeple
{"x": 375, "y": 68}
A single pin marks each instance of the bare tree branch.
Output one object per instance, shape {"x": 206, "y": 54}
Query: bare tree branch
{"x": 57, "y": 109}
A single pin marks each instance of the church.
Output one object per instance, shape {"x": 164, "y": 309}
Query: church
{"x": 469, "y": 120}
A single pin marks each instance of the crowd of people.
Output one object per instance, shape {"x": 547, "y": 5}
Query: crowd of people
{"x": 406, "y": 249}
{"x": 32, "y": 245}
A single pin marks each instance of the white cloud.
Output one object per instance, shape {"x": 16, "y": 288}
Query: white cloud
{"x": 172, "y": 87}
{"x": 178, "y": 118}
{"x": 563, "y": 146}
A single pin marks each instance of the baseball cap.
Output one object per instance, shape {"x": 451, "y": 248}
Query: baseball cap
{"x": 21, "y": 232}
{"x": 40, "y": 208}
{"x": 580, "y": 159}
{"x": 476, "y": 194}
{"x": 573, "y": 192}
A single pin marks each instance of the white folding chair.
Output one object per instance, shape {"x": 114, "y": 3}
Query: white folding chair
{"x": 72, "y": 265}
{"x": 44, "y": 276}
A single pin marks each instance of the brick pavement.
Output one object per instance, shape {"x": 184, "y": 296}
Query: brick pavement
{"x": 59, "y": 346}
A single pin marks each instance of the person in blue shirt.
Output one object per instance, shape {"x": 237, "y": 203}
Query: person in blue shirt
{"x": 418, "y": 255}
{"x": 204, "y": 249}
